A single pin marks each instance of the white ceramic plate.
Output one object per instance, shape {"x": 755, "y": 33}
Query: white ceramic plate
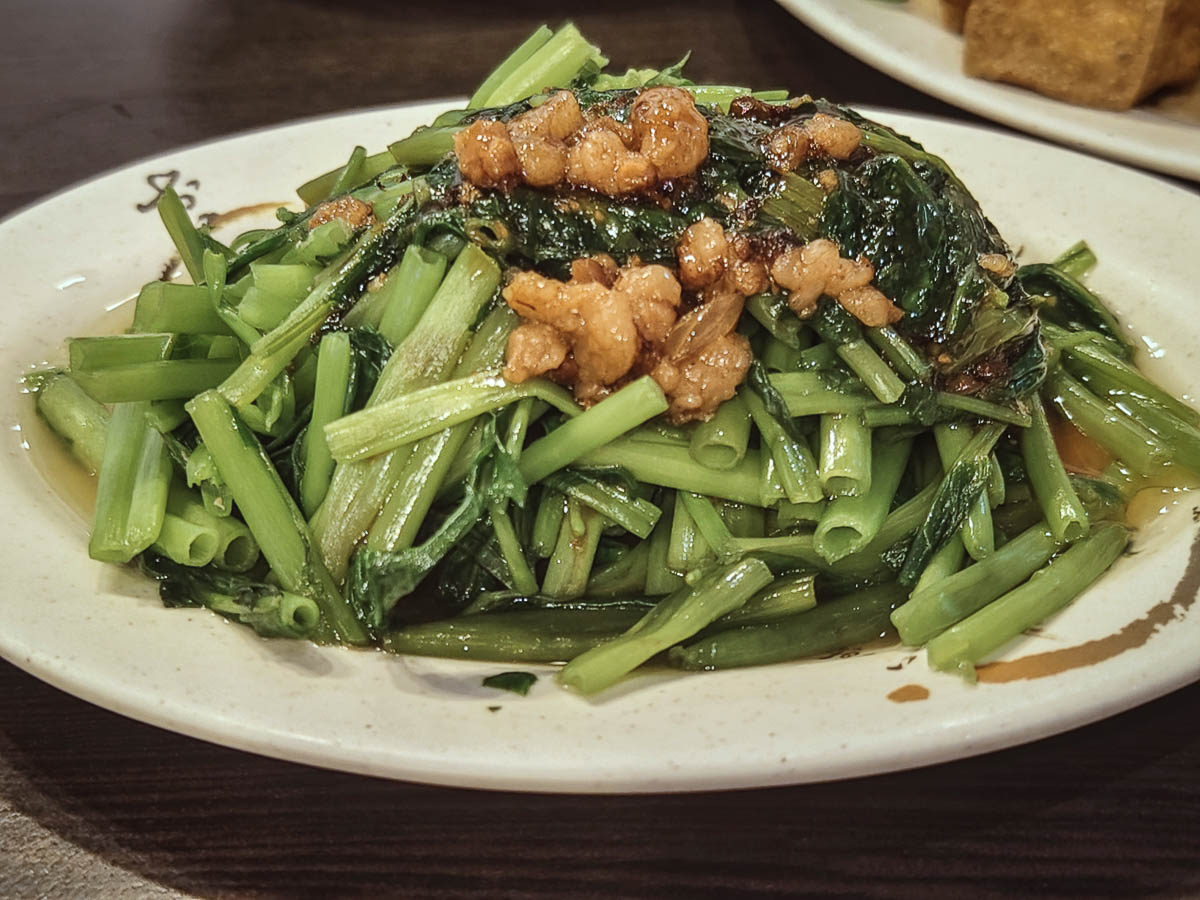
{"x": 908, "y": 42}
{"x": 99, "y": 632}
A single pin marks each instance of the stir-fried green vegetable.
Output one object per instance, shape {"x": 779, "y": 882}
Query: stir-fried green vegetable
{"x": 319, "y": 438}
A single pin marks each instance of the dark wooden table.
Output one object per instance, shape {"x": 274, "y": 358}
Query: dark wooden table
{"x": 92, "y": 804}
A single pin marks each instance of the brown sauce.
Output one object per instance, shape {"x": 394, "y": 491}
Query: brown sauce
{"x": 216, "y": 220}
{"x": 61, "y": 471}
{"x": 909, "y": 693}
{"x": 1148, "y": 504}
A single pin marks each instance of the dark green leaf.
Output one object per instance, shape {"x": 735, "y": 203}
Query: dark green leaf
{"x": 921, "y": 402}
{"x": 517, "y": 682}
{"x": 264, "y": 607}
{"x": 379, "y": 579}
{"x": 834, "y": 324}
{"x": 966, "y": 480}
{"x": 371, "y": 351}
{"x": 760, "y": 383}
{"x": 550, "y": 233}
{"x": 1071, "y": 305}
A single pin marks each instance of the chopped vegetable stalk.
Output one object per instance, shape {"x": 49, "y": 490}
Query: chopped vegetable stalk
{"x": 624, "y": 576}
{"x": 571, "y": 562}
{"x": 1049, "y": 589}
{"x": 670, "y": 466}
{"x": 710, "y": 525}
{"x": 1077, "y": 260}
{"x": 185, "y": 542}
{"x": 265, "y": 608}
{"x": 1129, "y": 441}
{"x": 522, "y": 576}
{"x": 553, "y": 63}
{"x": 721, "y": 442}
{"x": 345, "y": 177}
{"x": 172, "y": 379}
{"x": 674, "y": 619}
{"x": 978, "y": 536}
{"x": 661, "y": 578}
{"x": 599, "y": 426}
{"x": 635, "y": 515}
{"x": 271, "y": 514}
{"x": 687, "y": 548}
{"x": 272, "y": 353}
{"x": 934, "y": 607}
{"x": 1089, "y": 357}
{"x": 187, "y": 239}
{"x": 131, "y": 493}
{"x": 945, "y": 562}
{"x": 1064, "y": 512}
{"x": 511, "y": 63}
{"x": 201, "y": 472}
{"x": 795, "y": 465}
{"x": 848, "y": 523}
{"x": 162, "y": 306}
{"x": 76, "y": 418}
{"x": 812, "y": 393}
{"x": 900, "y": 353}
{"x": 410, "y": 417}
{"x": 408, "y": 291}
{"x": 358, "y": 490}
{"x": 329, "y": 403}
{"x": 429, "y": 462}
{"x": 965, "y": 480}
{"x": 845, "y": 459}
{"x": 973, "y": 406}
{"x": 546, "y": 523}
{"x": 857, "y": 618}
{"x": 841, "y": 331}
{"x": 782, "y": 598}
{"x": 90, "y": 353}
{"x": 528, "y": 635}
{"x": 379, "y": 579}
{"x": 773, "y": 313}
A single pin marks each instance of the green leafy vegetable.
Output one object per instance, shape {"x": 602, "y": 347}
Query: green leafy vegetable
{"x": 517, "y": 682}
{"x": 378, "y": 579}
{"x": 266, "y": 608}
{"x": 964, "y": 482}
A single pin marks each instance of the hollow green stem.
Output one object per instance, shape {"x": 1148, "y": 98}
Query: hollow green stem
{"x": 674, "y": 619}
{"x": 131, "y": 492}
{"x": 597, "y": 427}
{"x": 1064, "y": 512}
{"x": 721, "y": 442}
{"x": 1049, "y": 589}
{"x": 272, "y": 516}
{"x": 334, "y": 366}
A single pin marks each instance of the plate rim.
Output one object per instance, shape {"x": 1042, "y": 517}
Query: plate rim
{"x": 307, "y": 750}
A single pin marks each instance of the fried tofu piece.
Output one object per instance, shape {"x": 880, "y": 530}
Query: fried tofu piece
{"x": 1103, "y": 53}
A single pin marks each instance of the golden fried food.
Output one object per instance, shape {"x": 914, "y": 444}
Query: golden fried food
{"x": 1103, "y": 53}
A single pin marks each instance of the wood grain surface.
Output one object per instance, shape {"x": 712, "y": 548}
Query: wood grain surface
{"x": 95, "y": 805}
